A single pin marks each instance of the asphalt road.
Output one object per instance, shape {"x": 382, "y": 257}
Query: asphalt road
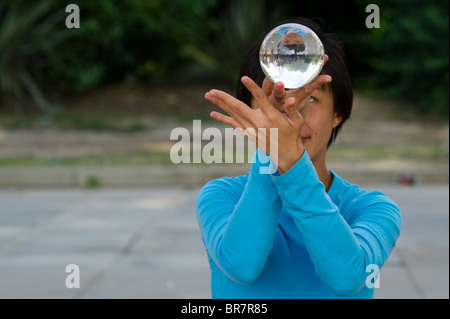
{"x": 145, "y": 243}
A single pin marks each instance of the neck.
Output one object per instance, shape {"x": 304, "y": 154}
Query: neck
{"x": 324, "y": 174}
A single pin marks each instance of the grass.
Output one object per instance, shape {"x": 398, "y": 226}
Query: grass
{"x": 133, "y": 123}
{"x": 353, "y": 153}
{"x": 388, "y": 151}
{"x": 91, "y": 122}
{"x": 140, "y": 158}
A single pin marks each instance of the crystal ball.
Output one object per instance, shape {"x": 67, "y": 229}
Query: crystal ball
{"x": 293, "y": 54}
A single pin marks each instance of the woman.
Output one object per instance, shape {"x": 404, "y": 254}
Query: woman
{"x": 303, "y": 231}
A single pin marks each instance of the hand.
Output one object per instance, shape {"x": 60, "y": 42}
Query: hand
{"x": 286, "y": 147}
{"x": 278, "y": 95}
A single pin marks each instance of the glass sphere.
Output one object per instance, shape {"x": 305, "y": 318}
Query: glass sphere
{"x": 293, "y": 54}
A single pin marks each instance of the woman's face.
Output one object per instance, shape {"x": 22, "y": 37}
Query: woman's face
{"x": 318, "y": 123}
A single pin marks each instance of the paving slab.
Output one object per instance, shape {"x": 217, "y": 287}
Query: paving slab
{"x": 144, "y": 243}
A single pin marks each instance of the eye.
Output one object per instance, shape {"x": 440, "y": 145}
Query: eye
{"x": 312, "y": 99}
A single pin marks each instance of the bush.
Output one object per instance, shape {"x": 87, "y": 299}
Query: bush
{"x": 235, "y": 25}
{"x": 141, "y": 39}
{"x": 156, "y": 40}
{"x": 406, "y": 58}
{"x": 409, "y": 54}
{"x": 28, "y": 34}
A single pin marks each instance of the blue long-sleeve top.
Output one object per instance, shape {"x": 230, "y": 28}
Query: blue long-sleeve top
{"x": 284, "y": 236}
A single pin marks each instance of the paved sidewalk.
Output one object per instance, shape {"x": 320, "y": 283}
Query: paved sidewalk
{"x": 145, "y": 243}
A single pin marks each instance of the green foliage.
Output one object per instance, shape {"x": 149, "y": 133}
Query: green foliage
{"x": 117, "y": 40}
{"x": 141, "y": 39}
{"x": 92, "y": 182}
{"x": 409, "y": 54}
{"x": 156, "y": 40}
{"x": 27, "y": 36}
{"x": 87, "y": 122}
{"x": 235, "y": 27}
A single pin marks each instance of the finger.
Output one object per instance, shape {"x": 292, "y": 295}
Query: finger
{"x": 228, "y": 103}
{"x": 303, "y": 93}
{"x": 325, "y": 59}
{"x": 254, "y": 89}
{"x": 318, "y": 82}
{"x": 293, "y": 114}
{"x": 249, "y": 132}
{"x": 304, "y": 110}
{"x": 267, "y": 86}
{"x": 225, "y": 119}
{"x": 236, "y": 109}
{"x": 279, "y": 92}
{"x": 258, "y": 94}
{"x": 306, "y": 91}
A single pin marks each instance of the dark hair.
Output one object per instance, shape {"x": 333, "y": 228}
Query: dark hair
{"x": 336, "y": 67}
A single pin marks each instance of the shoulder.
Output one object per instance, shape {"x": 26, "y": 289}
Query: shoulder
{"x": 226, "y": 188}
{"x": 355, "y": 201}
{"x": 231, "y": 184}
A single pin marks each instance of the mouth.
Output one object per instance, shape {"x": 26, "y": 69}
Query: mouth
{"x": 305, "y": 138}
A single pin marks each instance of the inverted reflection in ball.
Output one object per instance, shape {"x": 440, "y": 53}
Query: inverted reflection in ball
{"x": 293, "y": 54}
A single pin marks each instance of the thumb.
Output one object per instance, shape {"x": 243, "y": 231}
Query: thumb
{"x": 291, "y": 110}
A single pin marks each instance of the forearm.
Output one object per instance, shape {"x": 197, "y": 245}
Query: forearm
{"x": 240, "y": 237}
{"x": 332, "y": 246}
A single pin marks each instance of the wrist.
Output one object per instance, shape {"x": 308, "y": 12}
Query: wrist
{"x": 262, "y": 164}
{"x": 288, "y": 160}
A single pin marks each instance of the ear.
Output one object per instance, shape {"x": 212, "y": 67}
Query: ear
{"x": 336, "y": 120}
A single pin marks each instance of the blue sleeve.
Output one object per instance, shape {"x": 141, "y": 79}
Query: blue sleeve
{"x": 339, "y": 251}
{"x": 238, "y": 223}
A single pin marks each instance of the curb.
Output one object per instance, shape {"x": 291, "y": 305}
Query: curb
{"x": 196, "y": 175}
